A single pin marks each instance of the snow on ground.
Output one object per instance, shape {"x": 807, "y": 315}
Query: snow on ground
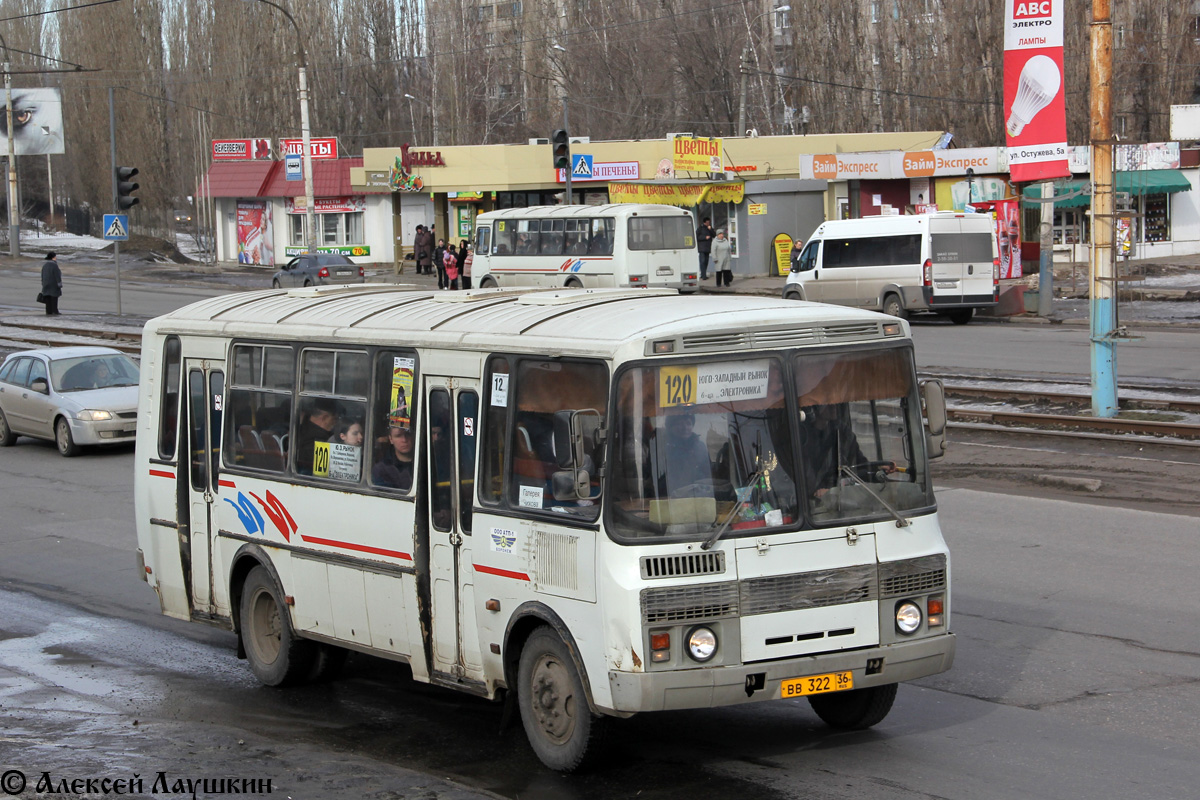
{"x": 35, "y": 241}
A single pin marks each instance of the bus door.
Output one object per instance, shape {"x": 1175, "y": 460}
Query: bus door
{"x": 452, "y": 421}
{"x": 205, "y": 396}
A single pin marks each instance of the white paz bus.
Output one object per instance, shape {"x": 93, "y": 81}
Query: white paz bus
{"x": 588, "y": 503}
{"x": 617, "y": 245}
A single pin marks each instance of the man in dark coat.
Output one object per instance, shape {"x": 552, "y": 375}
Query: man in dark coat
{"x": 423, "y": 250}
{"x": 704, "y": 236}
{"x": 51, "y": 284}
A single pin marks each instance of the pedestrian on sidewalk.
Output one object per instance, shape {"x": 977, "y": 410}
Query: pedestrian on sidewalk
{"x": 704, "y": 238}
{"x": 721, "y": 252}
{"x": 439, "y": 262}
{"x": 466, "y": 257}
{"x": 51, "y": 284}
{"x": 423, "y": 250}
{"x": 450, "y": 265}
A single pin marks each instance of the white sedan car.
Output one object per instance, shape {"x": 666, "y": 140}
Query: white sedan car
{"x": 72, "y": 395}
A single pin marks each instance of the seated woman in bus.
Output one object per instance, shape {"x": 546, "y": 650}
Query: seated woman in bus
{"x": 576, "y": 244}
{"x": 316, "y": 427}
{"x": 395, "y": 468}
{"x": 348, "y": 431}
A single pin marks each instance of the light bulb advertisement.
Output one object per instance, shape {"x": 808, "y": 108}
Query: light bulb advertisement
{"x": 1035, "y": 117}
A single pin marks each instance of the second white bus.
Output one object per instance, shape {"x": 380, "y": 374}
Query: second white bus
{"x": 616, "y": 245}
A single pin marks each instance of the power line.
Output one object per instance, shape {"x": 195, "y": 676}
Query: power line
{"x": 58, "y": 10}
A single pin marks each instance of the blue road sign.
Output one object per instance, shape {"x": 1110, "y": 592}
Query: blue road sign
{"x": 582, "y": 168}
{"x": 116, "y": 227}
{"x": 293, "y": 167}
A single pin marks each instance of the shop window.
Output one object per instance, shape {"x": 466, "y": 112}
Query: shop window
{"x": 1156, "y": 219}
{"x": 331, "y": 228}
{"x": 296, "y": 229}
{"x": 354, "y": 228}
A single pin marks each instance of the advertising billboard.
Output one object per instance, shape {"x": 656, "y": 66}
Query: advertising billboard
{"x": 37, "y": 122}
{"x": 321, "y": 148}
{"x": 1034, "y": 108}
{"x": 241, "y": 149}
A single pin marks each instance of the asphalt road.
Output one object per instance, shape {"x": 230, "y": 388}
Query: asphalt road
{"x": 1078, "y": 676}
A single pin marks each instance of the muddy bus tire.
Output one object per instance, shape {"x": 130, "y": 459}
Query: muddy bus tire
{"x": 554, "y": 707}
{"x": 277, "y": 656}
{"x": 855, "y": 710}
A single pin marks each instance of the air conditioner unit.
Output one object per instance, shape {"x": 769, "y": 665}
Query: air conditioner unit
{"x": 688, "y": 135}
{"x": 539, "y": 141}
{"x": 581, "y": 140}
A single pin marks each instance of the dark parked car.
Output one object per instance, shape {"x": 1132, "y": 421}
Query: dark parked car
{"x": 322, "y": 269}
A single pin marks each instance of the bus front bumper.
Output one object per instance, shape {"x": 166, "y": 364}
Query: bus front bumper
{"x": 721, "y": 686}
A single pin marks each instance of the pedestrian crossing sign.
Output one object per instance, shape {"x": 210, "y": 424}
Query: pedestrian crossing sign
{"x": 582, "y": 167}
{"x": 116, "y": 227}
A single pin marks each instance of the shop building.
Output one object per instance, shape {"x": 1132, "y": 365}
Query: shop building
{"x": 261, "y": 220}
{"x": 757, "y": 195}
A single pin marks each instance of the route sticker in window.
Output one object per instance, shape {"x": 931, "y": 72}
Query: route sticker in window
{"x": 402, "y": 397}
{"x": 321, "y": 459}
{"x": 499, "y": 389}
{"x": 531, "y": 497}
{"x": 721, "y": 382}
{"x": 345, "y": 461}
{"x": 500, "y": 225}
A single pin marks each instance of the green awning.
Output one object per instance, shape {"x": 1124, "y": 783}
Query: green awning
{"x": 1061, "y": 188}
{"x": 1145, "y": 181}
{"x": 1151, "y": 181}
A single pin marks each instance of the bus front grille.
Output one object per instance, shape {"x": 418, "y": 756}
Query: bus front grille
{"x": 682, "y": 565}
{"x": 816, "y": 589}
{"x": 677, "y": 603}
{"x": 912, "y": 576}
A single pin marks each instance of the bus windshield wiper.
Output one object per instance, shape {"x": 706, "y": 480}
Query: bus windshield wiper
{"x": 901, "y": 522}
{"x": 719, "y": 532}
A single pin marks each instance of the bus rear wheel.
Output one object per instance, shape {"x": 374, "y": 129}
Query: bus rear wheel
{"x": 488, "y": 283}
{"x": 574, "y": 283}
{"x": 553, "y": 703}
{"x": 855, "y": 710}
{"x": 277, "y": 656}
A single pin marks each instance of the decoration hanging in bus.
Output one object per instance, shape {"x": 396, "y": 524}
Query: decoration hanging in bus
{"x": 402, "y": 400}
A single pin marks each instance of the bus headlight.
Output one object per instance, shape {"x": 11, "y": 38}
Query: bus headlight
{"x": 908, "y": 617}
{"x": 701, "y": 644}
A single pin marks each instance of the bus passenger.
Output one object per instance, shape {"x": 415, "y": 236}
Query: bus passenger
{"x": 395, "y": 468}
{"x": 348, "y": 431}
{"x": 317, "y": 427}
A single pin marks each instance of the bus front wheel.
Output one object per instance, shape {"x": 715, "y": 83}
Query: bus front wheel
{"x": 488, "y": 283}
{"x": 276, "y": 655}
{"x": 554, "y": 706}
{"x": 574, "y": 283}
{"x": 855, "y": 710}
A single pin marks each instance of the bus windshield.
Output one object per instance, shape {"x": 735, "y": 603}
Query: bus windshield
{"x": 699, "y": 443}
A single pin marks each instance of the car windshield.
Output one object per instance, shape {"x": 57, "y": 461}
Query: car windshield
{"x": 93, "y": 372}
{"x": 699, "y": 443}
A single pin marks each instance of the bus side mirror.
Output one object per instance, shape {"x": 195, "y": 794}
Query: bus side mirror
{"x": 934, "y": 395}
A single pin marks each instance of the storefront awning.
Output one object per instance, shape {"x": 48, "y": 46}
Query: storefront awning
{"x": 1138, "y": 182}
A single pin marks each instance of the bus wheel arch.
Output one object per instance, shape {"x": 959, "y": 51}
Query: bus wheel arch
{"x": 893, "y": 304}
{"x": 573, "y": 283}
{"x": 525, "y": 620}
{"x": 793, "y": 294}
{"x": 488, "y": 282}
{"x": 277, "y": 655}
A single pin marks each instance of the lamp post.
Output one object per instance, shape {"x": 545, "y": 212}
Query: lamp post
{"x": 14, "y": 225}
{"x": 309, "y": 215}
{"x": 744, "y": 68}
{"x": 412, "y": 120}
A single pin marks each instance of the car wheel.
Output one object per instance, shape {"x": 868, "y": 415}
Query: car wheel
{"x": 63, "y": 438}
{"x": 893, "y": 307}
{"x": 7, "y": 437}
{"x": 275, "y": 284}
{"x": 307, "y": 282}
{"x": 277, "y": 656}
{"x": 855, "y": 710}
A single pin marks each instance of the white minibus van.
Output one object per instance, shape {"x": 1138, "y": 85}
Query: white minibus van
{"x": 945, "y": 263}
{"x": 620, "y": 244}
{"x": 588, "y": 503}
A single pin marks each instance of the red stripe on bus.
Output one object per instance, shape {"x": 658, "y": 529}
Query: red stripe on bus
{"x": 230, "y": 484}
{"x": 503, "y": 573}
{"x": 362, "y": 548}
{"x": 158, "y": 473}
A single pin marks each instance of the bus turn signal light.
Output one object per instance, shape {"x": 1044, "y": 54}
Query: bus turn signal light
{"x": 660, "y": 646}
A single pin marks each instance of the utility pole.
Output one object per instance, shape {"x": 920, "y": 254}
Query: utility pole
{"x": 112, "y": 139}
{"x": 1102, "y": 297}
{"x": 1046, "y": 257}
{"x": 14, "y": 219}
{"x": 744, "y": 68}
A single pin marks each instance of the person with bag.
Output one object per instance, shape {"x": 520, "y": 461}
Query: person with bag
{"x": 51, "y": 285}
{"x": 722, "y": 250}
{"x": 450, "y": 263}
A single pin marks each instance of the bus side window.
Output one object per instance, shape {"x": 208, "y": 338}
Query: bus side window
{"x": 168, "y": 418}
{"x": 393, "y": 421}
{"x": 602, "y": 237}
{"x": 260, "y": 407}
{"x": 495, "y": 432}
{"x": 539, "y": 390}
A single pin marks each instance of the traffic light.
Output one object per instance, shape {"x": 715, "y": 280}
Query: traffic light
{"x": 126, "y": 187}
{"x": 561, "y": 144}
